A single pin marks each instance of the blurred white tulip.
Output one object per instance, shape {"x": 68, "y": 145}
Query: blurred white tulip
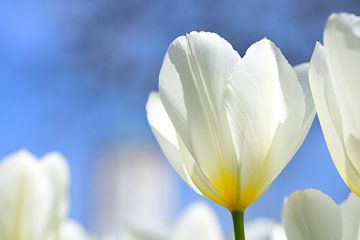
{"x": 312, "y": 215}
{"x": 334, "y": 78}
{"x": 33, "y": 196}
{"x": 264, "y": 229}
{"x": 131, "y": 186}
{"x": 229, "y": 125}
{"x": 197, "y": 222}
{"x": 70, "y": 230}
{"x": 200, "y": 222}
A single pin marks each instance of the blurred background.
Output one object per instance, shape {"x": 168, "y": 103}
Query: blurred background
{"x": 75, "y": 76}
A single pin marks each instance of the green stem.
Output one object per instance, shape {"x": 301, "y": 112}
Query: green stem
{"x": 238, "y": 220}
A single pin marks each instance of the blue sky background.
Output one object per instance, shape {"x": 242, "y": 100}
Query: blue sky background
{"x": 75, "y": 76}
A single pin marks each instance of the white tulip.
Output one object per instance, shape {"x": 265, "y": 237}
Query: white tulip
{"x": 197, "y": 222}
{"x": 33, "y": 196}
{"x": 229, "y": 125}
{"x": 312, "y": 215}
{"x": 335, "y": 84}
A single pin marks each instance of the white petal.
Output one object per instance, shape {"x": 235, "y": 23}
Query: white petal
{"x": 291, "y": 134}
{"x": 58, "y": 174}
{"x": 288, "y": 137}
{"x": 342, "y": 41}
{"x": 71, "y": 230}
{"x": 166, "y": 136}
{"x": 197, "y": 222}
{"x": 327, "y": 106}
{"x": 302, "y": 72}
{"x": 26, "y": 198}
{"x": 192, "y": 81}
{"x": 266, "y": 109}
{"x": 215, "y": 191}
{"x": 351, "y": 218}
{"x": 312, "y": 215}
{"x": 133, "y": 233}
{"x": 264, "y": 229}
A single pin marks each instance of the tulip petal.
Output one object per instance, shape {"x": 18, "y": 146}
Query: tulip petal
{"x": 329, "y": 113}
{"x": 165, "y": 134}
{"x": 202, "y": 182}
{"x": 351, "y": 218}
{"x": 292, "y": 133}
{"x": 177, "y": 153}
{"x": 312, "y": 215}
{"x": 197, "y": 222}
{"x": 25, "y": 198}
{"x": 193, "y": 77}
{"x": 266, "y": 109}
{"x": 58, "y": 174}
{"x": 302, "y": 72}
{"x": 342, "y": 41}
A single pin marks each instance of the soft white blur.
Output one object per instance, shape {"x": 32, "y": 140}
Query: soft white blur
{"x": 132, "y": 187}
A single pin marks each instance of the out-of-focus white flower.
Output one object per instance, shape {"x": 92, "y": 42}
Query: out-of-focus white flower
{"x": 70, "y": 230}
{"x": 312, "y": 215}
{"x": 132, "y": 186}
{"x": 264, "y": 229}
{"x": 229, "y": 125}
{"x": 334, "y": 78}
{"x": 197, "y": 222}
{"x": 33, "y": 196}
